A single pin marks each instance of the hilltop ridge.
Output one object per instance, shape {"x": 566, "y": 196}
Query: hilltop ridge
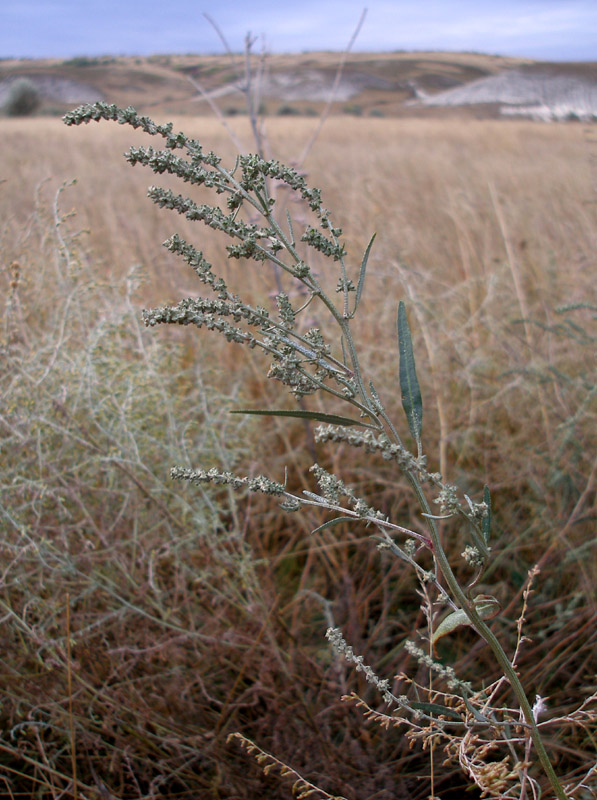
{"x": 372, "y": 84}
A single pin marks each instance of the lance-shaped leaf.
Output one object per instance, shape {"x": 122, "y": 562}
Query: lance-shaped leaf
{"x": 362, "y": 272}
{"x": 486, "y": 606}
{"x": 332, "y": 522}
{"x": 412, "y": 401}
{"x": 330, "y": 419}
{"x": 435, "y": 708}
{"x": 487, "y": 517}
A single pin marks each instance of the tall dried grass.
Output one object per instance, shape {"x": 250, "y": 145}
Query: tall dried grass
{"x": 189, "y": 620}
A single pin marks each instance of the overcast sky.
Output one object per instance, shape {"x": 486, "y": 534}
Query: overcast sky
{"x": 541, "y": 29}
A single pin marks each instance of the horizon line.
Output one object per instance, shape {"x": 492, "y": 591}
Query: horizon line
{"x": 339, "y": 51}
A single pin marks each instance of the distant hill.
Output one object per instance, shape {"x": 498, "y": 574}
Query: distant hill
{"x": 380, "y": 84}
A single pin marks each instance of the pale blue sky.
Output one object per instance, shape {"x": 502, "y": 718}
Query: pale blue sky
{"x": 541, "y": 29}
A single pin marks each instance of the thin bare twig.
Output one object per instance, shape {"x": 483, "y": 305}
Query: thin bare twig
{"x": 332, "y": 96}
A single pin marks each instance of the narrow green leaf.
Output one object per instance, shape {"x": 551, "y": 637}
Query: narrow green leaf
{"x": 331, "y": 522}
{"x": 361, "y": 282}
{"x": 331, "y": 419}
{"x": 435, "y": 708}
{"x": 487, "y": 518}
{"x": 412, "y": 401}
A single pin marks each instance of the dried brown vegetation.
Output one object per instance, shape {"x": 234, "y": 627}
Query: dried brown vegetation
{"x": 194, "y": 615}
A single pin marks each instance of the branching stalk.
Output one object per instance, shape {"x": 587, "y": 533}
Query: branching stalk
{"x": 302, "y": 360}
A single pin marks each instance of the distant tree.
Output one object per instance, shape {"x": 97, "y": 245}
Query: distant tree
{"x": 23, "y": 98}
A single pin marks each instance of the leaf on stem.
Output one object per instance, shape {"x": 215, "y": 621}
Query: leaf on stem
{"x": 331, "y": 419}
{"x": 361, "y": 282}
{"x": 486, "y": 606}
{"x": 412, "y": 401}
{"x": 331, "y": 522}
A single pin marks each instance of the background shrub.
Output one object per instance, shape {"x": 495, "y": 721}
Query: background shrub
{"x": 23, "y": 98}
{"x": 286, "y": 110}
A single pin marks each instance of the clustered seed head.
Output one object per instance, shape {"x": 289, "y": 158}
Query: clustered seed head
{"x": 318, "y": 241}
{"x": 345, "y": 285}
{"x": 373, "y": 443}
{"x": 194, "y": 258}
{"x": 410, "y": 547}
{"x": 447, "y": 499}
{"x": 285, "y": 311}
{"x": 258, "y": 484}
{"x": 472, "y": 556}
{"x": 479, "y": 510}
{"x": 333, "y": 488}
{"x": 334, "y": 636}
{"x": 447, "y": 673}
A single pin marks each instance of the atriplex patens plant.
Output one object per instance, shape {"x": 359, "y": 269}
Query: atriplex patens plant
{"x": 470, "y": 721}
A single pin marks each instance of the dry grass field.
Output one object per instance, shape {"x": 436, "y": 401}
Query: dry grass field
{"x": 145, "y": 621}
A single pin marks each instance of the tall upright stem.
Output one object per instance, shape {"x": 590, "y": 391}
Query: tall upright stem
{"x": 484, "y": 631}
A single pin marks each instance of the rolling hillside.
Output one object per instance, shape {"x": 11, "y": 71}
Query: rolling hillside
{"x": 383, "y": 85}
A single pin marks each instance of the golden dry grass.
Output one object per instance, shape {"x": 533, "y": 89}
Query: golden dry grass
{"x": 472, "y": 218}
{"x": 427, "y": 181}
{"x": 484, "y": 229}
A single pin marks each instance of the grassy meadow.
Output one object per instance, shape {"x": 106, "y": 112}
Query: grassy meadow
{"x": 144, "y": 621}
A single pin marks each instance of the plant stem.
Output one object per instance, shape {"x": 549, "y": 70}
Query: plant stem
{"x": 485, "y": 632}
